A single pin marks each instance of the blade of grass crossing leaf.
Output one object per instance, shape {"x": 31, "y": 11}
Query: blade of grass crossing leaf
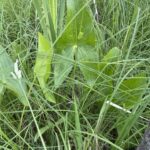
{"x": 131, "y": 90}
{"x": 78, "y": 26}
{"x": 112, "y": 55}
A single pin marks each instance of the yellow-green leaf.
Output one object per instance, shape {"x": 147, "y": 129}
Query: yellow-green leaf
{"x": 112, "y": 55}
{"x": 42, "y": 67}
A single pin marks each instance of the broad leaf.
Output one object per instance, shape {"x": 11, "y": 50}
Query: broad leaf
{"x": 79, "y": 25}
{"x": 107, "y": 68}
{"x": 42, "y": 68}
{"x": 79, "y": 30}
{"x": 87, "y": 59}
{"x": 108, "y": 63}
{"x": 63, "y": 65}
{"x": 92, "y": 69}
{"x": 131, "y": 91}
{"x": 112, "y": 55}
{"x": 16, "y": 85}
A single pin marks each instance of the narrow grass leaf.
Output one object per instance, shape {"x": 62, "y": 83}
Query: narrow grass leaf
{"x": 78, "y": 127}
{"x": 1, "y": 92}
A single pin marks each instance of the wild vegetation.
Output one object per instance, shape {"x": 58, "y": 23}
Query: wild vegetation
{"x": 74, "y": 74}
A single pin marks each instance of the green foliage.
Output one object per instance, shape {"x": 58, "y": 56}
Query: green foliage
{"x": 1, "y": 92}
{"x": 63, "y": 65}
{"x": 88, "y": 60}
{"x": 76, "y": 46}
{"x": 13, "y": 83}
{"x": 42, "y": 67}
{"x": 79, "y": 27}
{"x": 131, "y": 91}
{"x": 79, "y": 34}
{"x": 113, "y": 55}
{"x": 92, "y": 87}
{"x": 78, "y": 135}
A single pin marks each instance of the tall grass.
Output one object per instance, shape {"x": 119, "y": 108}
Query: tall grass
{"x": 99, "y": 111}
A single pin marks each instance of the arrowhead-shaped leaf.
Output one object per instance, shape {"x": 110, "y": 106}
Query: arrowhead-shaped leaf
{"x": 79, "y": 26}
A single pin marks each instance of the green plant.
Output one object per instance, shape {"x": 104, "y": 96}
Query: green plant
{"x": 11, "y": 77}
{"x": 76, "y": 47}
{"x": 83, "y": 82}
